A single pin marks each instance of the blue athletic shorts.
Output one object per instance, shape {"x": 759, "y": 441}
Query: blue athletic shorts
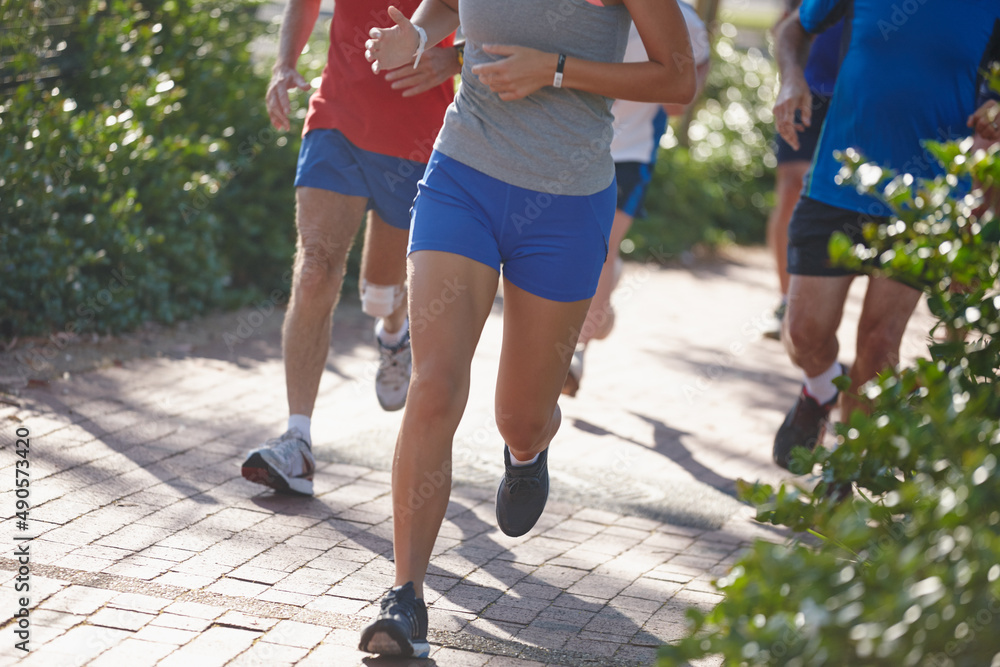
{"x": 633, "y": 180}
{"x": 328, "y": 161}
{"x": 813, "y": 223}
{"x": 552, "y": 246}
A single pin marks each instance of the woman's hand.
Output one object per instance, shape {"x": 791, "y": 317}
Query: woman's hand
{"x": 392, "y": 47}
{"x": 518, "y": 75}
{"x": 436, "y": 66}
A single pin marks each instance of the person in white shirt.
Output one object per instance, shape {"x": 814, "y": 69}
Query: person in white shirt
{"x": 638, "y": 128}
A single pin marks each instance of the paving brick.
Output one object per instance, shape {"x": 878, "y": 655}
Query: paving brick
{"x": 336, "y": 605}
{"x": 215, "y": 646}
{"x": 600, "y": 586}
{"x": 560, "y": 619}
{"x": 138, "y": 602}
{"x": 164, "y": 635}
{"x": 81, "y": 644}
{"x": 134, "y": 653}
{"x": 264, "y": 654}
{"x": 122, "y": 619}
{"x": 340, "y": 648}
{"x": 238, "y": 619}
{"x": 135, "y": 537}
{"x": 181, "y": 622}
{"x": 79, "y": 600}
{"x": 446, "y": 657}
{"x": 467, "y": 598}
{"x": 138, "y": 567}
{"x": 591, "y": 647}
{"x": 236, "y": 588}
{"x": 652, "y": 589}
{"x": 60, "y": 620}
{"x": 448, "y": 621}
{"x": 294, "y": 633}
{"x": 184, "y": 579}
{"x": 286, "y": 597}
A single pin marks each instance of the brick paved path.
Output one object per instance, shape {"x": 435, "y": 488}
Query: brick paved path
{"x": 149, "y": 548}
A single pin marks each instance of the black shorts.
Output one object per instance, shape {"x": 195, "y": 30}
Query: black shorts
{"x": 809, "y": 232}
{"x": 808, "y": 138}
{"x": 633, "y": 179}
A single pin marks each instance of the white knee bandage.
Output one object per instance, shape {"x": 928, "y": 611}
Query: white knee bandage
{"x": 381, "y": 300}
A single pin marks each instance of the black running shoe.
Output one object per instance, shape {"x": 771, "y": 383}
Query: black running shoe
{"x": 400, "y": 628}
{"x": 522, "y": 494}
{"x": 804, "y": 426}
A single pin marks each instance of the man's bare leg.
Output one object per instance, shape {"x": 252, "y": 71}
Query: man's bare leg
{"x": 383, "y": 262}
{"x": 383, "y": 296}
{"x": 887, "y": 309}
{"x": 327, "y": 223}
{"x": 815, "y": 309}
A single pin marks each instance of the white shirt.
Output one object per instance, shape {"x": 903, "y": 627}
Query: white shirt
{"x": 635, "y": 139}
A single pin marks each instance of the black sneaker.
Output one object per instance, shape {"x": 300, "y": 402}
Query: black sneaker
{"x": 400, "y": 628}
{"x": 804, "y": 426}
{"x": 772, "y": 327}
{"x": 522, "y": 494}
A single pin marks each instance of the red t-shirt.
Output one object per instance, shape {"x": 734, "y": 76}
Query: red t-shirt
{"x": 360, "y": 104}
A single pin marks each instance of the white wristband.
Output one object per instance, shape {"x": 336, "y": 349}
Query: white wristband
{"x": 420, "y": 47}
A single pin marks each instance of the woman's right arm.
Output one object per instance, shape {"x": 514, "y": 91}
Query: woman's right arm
{"x": 395, "y": 46}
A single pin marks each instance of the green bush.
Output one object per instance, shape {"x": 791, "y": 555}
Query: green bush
{"x": 906, "y": 571}
{"x": 144, "y": 182}
{"x": 719, "y": 188}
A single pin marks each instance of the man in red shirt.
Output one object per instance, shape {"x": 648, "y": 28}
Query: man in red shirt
{"x": 365, "y": 145}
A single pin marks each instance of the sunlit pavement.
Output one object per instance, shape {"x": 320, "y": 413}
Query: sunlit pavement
{"x": 149, "y": 548}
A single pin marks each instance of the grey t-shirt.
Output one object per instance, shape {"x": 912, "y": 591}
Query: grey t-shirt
{"x": 556, "y": 140}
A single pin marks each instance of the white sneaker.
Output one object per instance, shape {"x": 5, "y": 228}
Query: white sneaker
{"x": 285, "y": 464}
{"x": 575, "y": 373}
{"x": 392, "y": 380}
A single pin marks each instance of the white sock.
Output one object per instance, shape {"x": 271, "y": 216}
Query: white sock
{"x": 517, "y": 463}
{"x": 302, "y": 423}
{"x": 391, "y": 339}
{"x": 821, "y": 387}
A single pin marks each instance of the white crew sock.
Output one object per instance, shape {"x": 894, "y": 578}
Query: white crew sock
{"x": 391, "y": 339}
{"x": 517, "y": 463}
{"x": 302, "y": 423}
{"x": 821, "y": 387}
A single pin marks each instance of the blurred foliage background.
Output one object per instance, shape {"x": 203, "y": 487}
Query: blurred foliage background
{"x": 140, "y": 179}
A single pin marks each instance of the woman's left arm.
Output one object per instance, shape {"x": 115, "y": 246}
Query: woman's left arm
{"x": 669, "y": 76}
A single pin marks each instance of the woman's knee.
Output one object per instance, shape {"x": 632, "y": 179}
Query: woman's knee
{"x": 523, "y": 430}
{"x": 436, "y": 396}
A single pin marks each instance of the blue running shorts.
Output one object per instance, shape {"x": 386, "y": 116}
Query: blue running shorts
{"x": 328, "y": 161}
{"x": 552, "y": 246}
{"x": 633, "y": 180}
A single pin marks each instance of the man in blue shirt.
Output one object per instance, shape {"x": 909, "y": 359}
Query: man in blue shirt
{"x": 909, "y": 75}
